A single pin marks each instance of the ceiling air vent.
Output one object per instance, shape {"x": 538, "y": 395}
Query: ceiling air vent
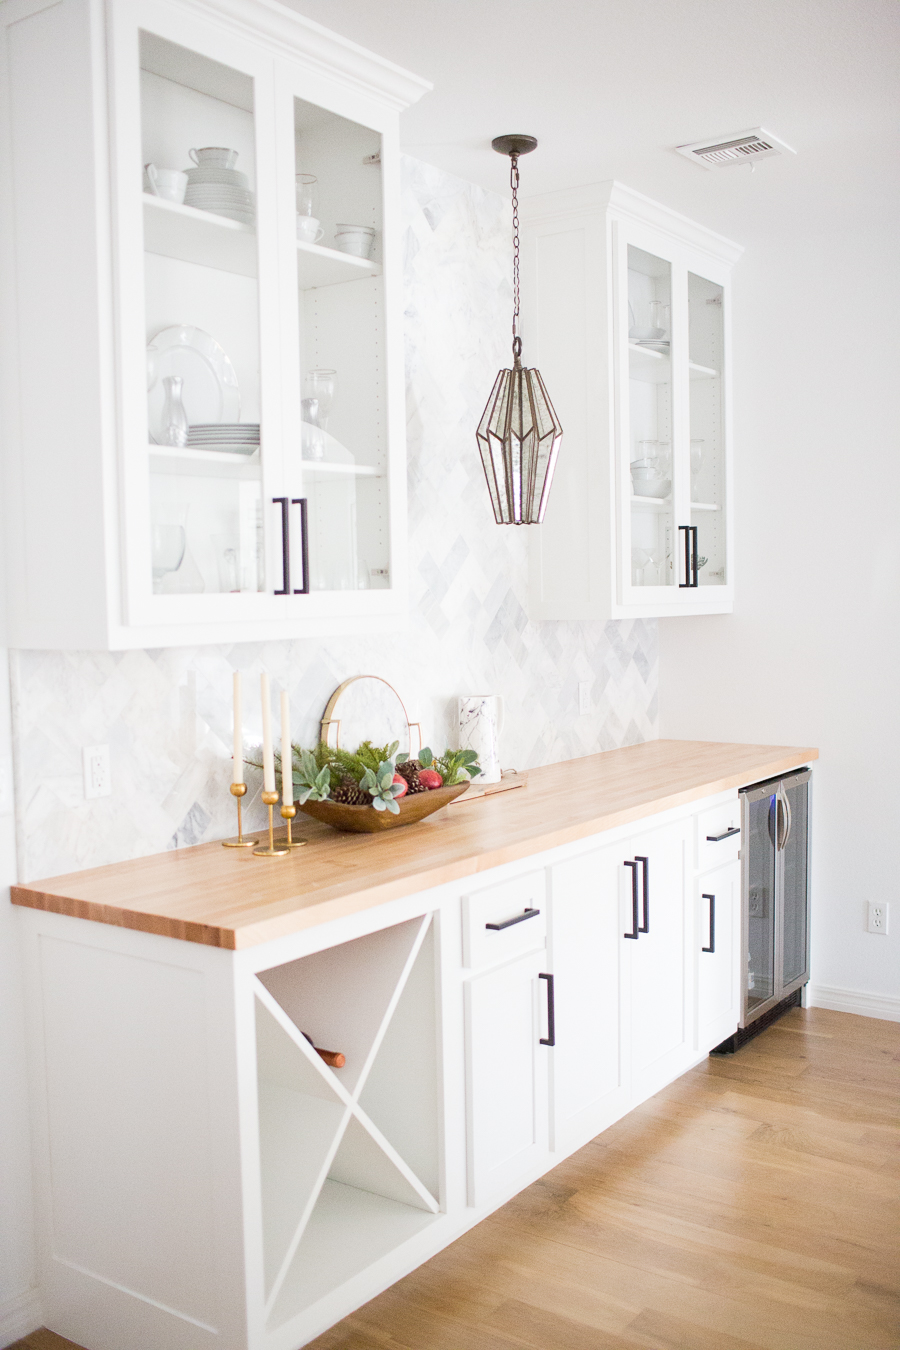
{"x": 741, "y": 147}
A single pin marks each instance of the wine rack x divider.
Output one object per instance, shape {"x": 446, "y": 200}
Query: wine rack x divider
{"x": 348, "y": 1158}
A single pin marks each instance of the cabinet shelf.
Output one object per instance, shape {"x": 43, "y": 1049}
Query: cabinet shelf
{"x": 652, "y": 367}
{"x": 663, "y": 503}
{"x": 320, "y": 471}
{"x": 193, "y": 236}
{"x": 171, "y": 460}
{"x": 319, "y": 266}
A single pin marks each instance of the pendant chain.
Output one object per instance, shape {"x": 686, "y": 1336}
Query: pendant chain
{"x": 514, "y": 184}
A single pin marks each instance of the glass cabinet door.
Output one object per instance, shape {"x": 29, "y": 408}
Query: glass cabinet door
{"x": 204, "y": 427}
{"x": 651, "y": 422}
{"x": 341, "y": 454}
{"x": 707, "y": 430}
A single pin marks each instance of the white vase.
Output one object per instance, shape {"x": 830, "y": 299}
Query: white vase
{"x": 480, "y": 724}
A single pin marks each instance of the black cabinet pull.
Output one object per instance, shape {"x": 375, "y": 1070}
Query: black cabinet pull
{"x": 634, "y": 901}
{"x": 729, "y": 833}
{"x": 285, "y": 546}
{"x": 645, "y": 869}
{"x": 691, "y": 566}
{"x": 550, "y": 1038}
{"x": 304, "y": 544}
{"x": 508, "y": 923}
{"x": 712, "y": 923}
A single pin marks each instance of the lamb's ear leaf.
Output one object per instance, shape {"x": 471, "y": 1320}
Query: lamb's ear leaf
{"x": 425, "y": 756}
{"x": 323, "y": 782}
{"x": 378, "y": 803}
{"x": 303, "y": 796}
{"x": 467, "y": 756}
{"x": 391, "y": 805}
{"x": 392, "y": 749}
{"x": 473, "y": 770}
{"x": 367, "y": 782}
{"x": 402, "y": 757}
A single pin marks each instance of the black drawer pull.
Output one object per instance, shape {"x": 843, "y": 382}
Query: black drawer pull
{"x": 712, "y": 923}
{"x": 729, "y": 833}
{"x": 550, "y": 1038}
{"x": 508, "y": 923}
{"x": 285, "y": 546}
{"x": 635, "y": 931}
{"x": 645, "y": 868}
{"x": 304, "y": 545}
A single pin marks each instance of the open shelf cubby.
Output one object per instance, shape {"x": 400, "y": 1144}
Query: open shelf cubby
{"x": 349, "y": 1158}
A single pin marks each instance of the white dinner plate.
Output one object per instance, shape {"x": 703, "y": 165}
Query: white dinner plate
{"x": 210, "y": 392}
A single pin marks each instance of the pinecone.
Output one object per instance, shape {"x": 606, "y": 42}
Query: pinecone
{"x": 351, "y": 794}
{"x": 409, "y": 770}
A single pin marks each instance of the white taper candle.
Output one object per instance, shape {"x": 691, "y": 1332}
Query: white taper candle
{"x": 287, "y": 759}
{"x": 237, "y": 765}
{"x": 268, "y": 754}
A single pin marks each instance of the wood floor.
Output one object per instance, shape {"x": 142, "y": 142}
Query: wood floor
{"x": 752, "y": 1205}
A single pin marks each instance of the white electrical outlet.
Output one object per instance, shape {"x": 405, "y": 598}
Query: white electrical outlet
{"x": 97, "y": 780}
{"x": 879, "y": 912}
{"x": 584, "y": 697}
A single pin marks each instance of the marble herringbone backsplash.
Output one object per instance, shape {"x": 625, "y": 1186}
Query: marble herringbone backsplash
{"x": 166, "y": 715}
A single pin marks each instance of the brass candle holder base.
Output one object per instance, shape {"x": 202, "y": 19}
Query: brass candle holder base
{"x": 237, "y": 791}
{"x": 269, "y": 850}
{"x": 287, "y": 814}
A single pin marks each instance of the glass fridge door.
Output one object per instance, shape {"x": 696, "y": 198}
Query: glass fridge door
{"x": 759, "y": 855}
{"x": 795, "y": 882}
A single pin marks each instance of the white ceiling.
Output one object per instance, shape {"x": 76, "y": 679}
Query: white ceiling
{"x": 610, "y": 86}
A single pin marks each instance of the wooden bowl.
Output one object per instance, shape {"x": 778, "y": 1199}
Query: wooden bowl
{"x": 366, "y": 820}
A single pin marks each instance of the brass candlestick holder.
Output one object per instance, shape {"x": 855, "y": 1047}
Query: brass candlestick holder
{"x": 237, "y": 791}
{"x": 287, "y": 814}
{"x": 269, "y": 850}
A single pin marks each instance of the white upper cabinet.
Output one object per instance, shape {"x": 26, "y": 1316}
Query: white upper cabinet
{"x": 627, "y": 318}
{"x": 203, "y": 413}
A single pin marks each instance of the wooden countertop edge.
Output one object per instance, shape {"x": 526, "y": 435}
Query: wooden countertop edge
{"x": 296, "y": 919}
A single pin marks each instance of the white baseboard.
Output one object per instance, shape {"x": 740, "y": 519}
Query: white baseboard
{"x": 851, "y": 1001}
{"x": 19, "y": 1316}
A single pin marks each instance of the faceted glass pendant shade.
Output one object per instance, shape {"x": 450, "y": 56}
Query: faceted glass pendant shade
{"x": 519, "y": 437}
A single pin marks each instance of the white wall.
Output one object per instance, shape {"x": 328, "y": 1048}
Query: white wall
{"x": 812, "y": 652}
{"x": 18, "y": 1302}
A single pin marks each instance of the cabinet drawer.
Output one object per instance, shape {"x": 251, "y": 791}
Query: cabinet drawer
{"x": 502, "y": 921}
{"x": 718, "y": 835}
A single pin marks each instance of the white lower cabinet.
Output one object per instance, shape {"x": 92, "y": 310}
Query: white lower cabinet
{"x": 506, "y": 1071}
{"x": 653, "y": 912}
{"x": 486, "y": 1035}
{"x": 717, "y": 902}
{"x": 588, "y": 1084}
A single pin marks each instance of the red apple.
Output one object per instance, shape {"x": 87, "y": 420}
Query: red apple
{"x": 403, "y": 783}
{"x": 430, "y": 778}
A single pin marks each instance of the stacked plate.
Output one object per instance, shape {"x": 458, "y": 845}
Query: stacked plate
{"x": 236, "y": 438}
{"x": 224, "y": 192}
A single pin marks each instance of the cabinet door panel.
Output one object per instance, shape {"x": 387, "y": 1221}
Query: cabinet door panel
{"x": 586, "y": 1065}
{"x": 658, "y": 1035}
{"x": 717, "y": 969}
{"x": 506, "y": 1076}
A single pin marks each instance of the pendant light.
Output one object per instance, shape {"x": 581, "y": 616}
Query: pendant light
{"x": 519, "y": 434}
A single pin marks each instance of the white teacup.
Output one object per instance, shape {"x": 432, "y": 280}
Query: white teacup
{"x": 355, "y": 239}
{"x": 170, "y": 184}
{"x": 309, "y": 230}
{"x": 216, "y": 155}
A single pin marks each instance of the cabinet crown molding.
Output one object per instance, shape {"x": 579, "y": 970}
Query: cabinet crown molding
{"x": 319, "y": 47}
{"x": 627, "y": 204}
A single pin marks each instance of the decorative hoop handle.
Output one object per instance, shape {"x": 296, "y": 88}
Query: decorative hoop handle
{"x": 328, "y": 721}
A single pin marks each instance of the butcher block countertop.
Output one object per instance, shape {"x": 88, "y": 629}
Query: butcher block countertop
{"x": 230, "y": 898}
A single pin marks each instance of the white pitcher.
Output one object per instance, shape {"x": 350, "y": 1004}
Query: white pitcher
{"x": 480, "y": 724}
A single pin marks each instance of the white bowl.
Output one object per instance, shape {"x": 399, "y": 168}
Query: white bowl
{"x": 645, "y": 334}
{"x": 656, "y": 487}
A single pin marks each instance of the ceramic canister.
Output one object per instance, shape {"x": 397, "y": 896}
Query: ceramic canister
{"x": 480, "y": 724}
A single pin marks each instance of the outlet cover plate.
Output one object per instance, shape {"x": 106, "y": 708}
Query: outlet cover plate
{"x": 97, "y": 779}
{"x": 878, "y": 915}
